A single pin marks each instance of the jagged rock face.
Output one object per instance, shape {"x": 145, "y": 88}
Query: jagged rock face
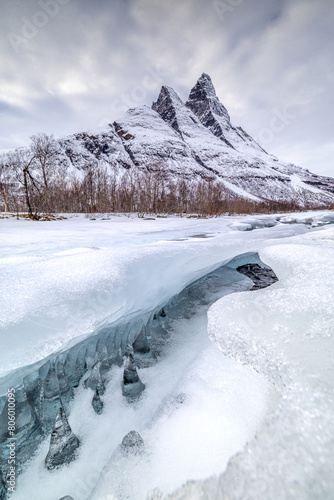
{"x": 205, "y": 104}
{"x": 166, "y": 107}
{"x": 228, "y": 154}
{"x": 261, "y": 276}
{"x": 63, "y": 443}
{"x": 85, "y": 149}
{"x": 133, "y": 443}
{"x": 203, "y": 99}
{"x": 154, "y": 145}
{"x": 132, "y": 385}
{"x": 97, "y": 403}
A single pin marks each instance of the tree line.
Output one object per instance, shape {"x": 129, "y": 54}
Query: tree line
{"x": 36, "y": 181}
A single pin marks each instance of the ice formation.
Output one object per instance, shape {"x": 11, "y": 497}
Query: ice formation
{"x": 97, "y": 403}
{"x": 132, "y": 386}
{"x": 63, "y": 443}
{"x": 133, "y": 443}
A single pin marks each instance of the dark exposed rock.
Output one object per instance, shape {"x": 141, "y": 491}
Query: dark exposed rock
{"x": 67, "y": 497}
{"x": 261, "y": 276}
{"x": 203, "y": 101}
{"x": 205, "y": 104}
{"x": 133, "y": 443}
{"x": 97, "y": 403}
{"x": 132, "y": 385}
{"x": 165, "y": 106}
{"x": 63, "y": 443}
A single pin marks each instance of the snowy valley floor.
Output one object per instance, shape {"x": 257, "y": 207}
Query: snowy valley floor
{"x": 251, "y": 374}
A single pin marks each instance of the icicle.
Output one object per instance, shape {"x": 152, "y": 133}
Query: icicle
{"x": 132, "y": 385}
{"x": 63, "y": 443}
{"x": 141, "y": 345}
{"x": 97, "y": 402}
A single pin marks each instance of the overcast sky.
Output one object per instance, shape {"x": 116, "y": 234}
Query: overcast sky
{"x": 73, "y": 65}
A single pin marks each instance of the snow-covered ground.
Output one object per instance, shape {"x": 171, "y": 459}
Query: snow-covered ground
{"x": 62, "y": 280}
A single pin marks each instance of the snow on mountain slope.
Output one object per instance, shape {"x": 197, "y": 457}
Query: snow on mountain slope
{"x": 85, "y": 148}
{"x": 195, "y": 140}
{"x": 205, "y": 104}
{"x": 154, "y": 145}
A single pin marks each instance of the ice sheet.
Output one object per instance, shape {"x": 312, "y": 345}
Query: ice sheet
{"x": 62, "y": 279}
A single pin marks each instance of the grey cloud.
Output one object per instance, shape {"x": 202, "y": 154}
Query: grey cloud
{"x": 93, "y": 59}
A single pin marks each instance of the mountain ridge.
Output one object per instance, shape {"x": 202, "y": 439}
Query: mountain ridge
{"x": 196, "y": 140}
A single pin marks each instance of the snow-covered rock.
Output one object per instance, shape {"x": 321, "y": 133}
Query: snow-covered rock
{"x": 195, "y": 140}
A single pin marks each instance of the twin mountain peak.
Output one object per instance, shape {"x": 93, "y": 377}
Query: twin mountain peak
{"x": 196, "y": 140}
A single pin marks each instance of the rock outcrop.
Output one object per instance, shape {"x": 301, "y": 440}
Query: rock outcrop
{"x": 261, "y": 276}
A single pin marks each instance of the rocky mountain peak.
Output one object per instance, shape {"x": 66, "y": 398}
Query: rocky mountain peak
{"x": 166, "y": 105}
{"x": 203, "y": 99}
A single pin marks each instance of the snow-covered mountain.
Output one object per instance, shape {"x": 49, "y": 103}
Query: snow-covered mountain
{"x": 197, "y": 140}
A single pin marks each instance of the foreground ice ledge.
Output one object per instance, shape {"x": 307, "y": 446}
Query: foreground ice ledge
{"x": 53, "y": 382}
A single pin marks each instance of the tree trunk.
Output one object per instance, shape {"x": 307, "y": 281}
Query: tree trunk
{"x": 27, "y": 192}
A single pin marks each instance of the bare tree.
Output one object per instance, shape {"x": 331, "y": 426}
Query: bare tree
{"x": 7, "y": 180}
{"x": 44, "y": 150}
{"x": 21, "y": 161}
